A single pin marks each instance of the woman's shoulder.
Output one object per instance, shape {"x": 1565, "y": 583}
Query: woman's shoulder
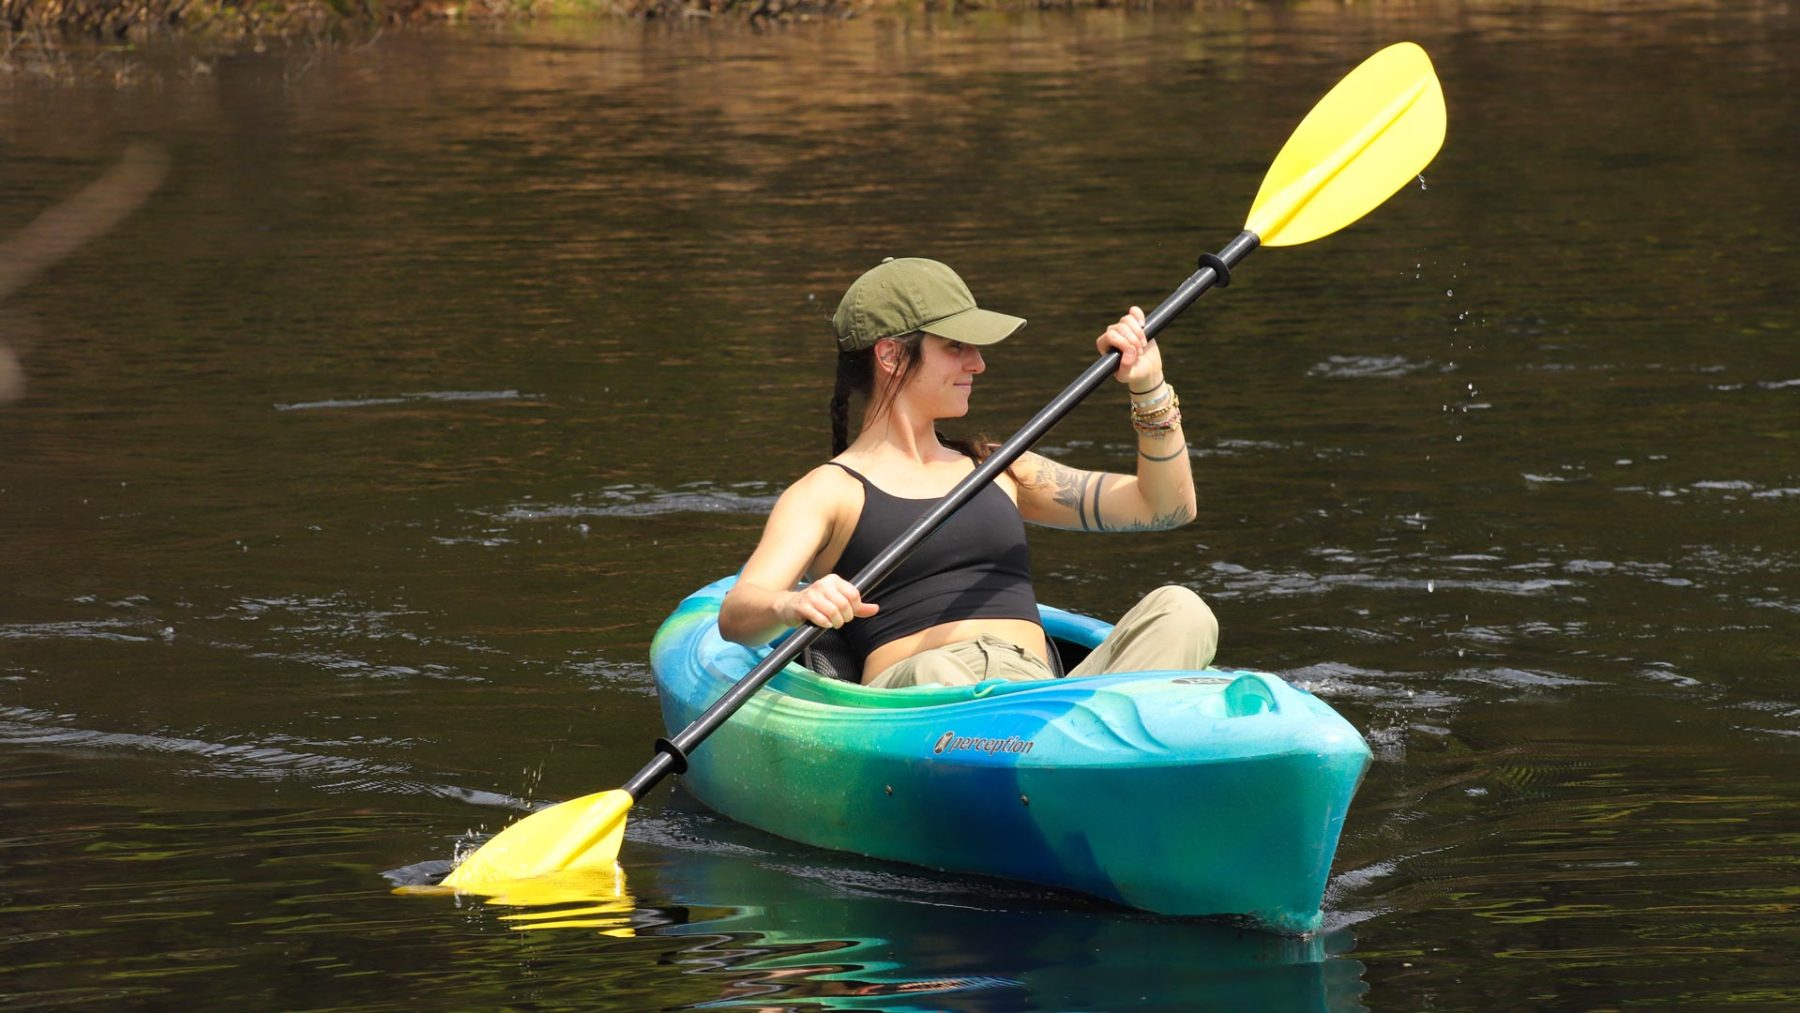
{"x": 823, "y": 497}
{"x": 830, "y": 480}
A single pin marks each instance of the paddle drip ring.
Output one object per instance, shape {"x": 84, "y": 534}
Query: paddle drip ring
{"x": 677, "y": 756}
{"x": 1212, "y": 260}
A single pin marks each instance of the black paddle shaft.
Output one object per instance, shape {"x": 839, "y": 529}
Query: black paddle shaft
{"x": 672, "y": 753}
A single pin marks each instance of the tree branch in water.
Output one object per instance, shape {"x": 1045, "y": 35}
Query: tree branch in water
{"x": 60, "y": 231}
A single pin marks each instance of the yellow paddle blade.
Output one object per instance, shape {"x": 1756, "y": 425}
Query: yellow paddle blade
{"x": 583, "y": 833}
{"x": 1367, "y": 138}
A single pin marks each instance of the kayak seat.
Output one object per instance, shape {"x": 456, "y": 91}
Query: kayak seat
{"x": 831, "y": 656}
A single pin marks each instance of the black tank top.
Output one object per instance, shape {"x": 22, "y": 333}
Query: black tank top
{"x": 976, "y": 565}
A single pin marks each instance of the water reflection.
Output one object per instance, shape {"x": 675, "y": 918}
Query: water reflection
{"x": 771, "y": 924}
{"x": 596, "y": 899}
{"x": 804, "y": 927}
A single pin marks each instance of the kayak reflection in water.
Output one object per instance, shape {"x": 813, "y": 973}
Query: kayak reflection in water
{"x": 961, "y": 608}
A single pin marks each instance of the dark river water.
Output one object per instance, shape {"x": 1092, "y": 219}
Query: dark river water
{"x": 354, "y": 471}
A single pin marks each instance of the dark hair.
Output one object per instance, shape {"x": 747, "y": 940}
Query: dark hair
{"x": 856, "y": 375}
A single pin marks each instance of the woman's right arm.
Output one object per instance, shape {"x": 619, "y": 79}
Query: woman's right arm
{"x": 764, "y": 602}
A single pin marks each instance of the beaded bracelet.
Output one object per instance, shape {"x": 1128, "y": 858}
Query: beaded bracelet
{"x": 1153, "y": 411}
{"x": 1158, "y": 421}
{"x": 1157, "y": 418}
{"x": 1161, "y": 430}
{"x": 1158, "y": 432}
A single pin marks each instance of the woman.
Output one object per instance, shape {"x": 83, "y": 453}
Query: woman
{"x": 960, "y": 609}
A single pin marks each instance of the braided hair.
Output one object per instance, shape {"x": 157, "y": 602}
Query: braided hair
{"x": 856, "y": 376}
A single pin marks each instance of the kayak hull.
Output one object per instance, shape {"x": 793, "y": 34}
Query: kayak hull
{"x": 1210, "y": 793}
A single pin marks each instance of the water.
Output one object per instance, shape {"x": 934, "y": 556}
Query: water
{"x": 358, "y": 466}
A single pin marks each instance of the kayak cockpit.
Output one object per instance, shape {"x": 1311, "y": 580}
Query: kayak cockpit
{"x": 1070, "y": 635}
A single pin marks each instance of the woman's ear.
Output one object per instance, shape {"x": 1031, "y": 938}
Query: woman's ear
{"x": 887, "y": 354}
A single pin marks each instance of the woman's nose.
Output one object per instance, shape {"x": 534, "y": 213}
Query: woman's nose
{"x": 972, "y": 360}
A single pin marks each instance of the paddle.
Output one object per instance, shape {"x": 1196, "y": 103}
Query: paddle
{"x": 1371, "y": 135}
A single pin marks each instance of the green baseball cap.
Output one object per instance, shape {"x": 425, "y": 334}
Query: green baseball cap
{"x": 912, "y": 294}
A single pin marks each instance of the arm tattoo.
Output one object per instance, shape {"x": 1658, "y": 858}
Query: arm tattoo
{"x": 1160, "y": 522}
{"x": 1180, "y": 451}
{"x": 1064, "y": 484}
{"x": 1076, "y": 490}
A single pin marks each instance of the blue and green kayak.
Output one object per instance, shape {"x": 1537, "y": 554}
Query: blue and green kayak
{"x": 1208, "y": 793}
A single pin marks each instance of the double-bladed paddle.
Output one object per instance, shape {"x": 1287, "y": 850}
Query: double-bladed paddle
{"x": 1369, "y": 136}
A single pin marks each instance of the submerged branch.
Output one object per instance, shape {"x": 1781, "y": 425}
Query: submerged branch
{"x": 94, "y": 211}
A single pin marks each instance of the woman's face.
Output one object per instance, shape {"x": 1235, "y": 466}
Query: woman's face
{"x": 940, "y": 384}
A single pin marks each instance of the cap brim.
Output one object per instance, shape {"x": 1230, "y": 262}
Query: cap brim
{"x": 975, "y": 326}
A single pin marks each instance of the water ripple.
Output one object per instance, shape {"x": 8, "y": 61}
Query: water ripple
{"x": 1335, "y": 680}
{"x": 429, "y": 395}
{"x": 1519, "y": 678}
{"x": 1353, "y": 366}
{"x": 1235, "y": 580}
{"x": 23, "y": 726}
{"x": 647, "y": 501}
{"x": 92, "y": 629}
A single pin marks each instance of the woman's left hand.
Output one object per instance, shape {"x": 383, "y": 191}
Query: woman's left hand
{"x": 1140, "y": 362}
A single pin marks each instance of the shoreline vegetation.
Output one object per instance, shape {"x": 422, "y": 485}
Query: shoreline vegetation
{"x": 69, "y": 39}
{"x": 50, "y": 22}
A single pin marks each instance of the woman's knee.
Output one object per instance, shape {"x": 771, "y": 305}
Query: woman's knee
{"x": 1188, "y": 612}
{"x": 1182, "y": 604}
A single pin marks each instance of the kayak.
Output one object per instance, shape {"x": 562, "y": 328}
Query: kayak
{"x": 1211, "y": 793}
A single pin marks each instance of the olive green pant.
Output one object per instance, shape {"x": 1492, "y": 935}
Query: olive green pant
{"x": 1171, "y": 628}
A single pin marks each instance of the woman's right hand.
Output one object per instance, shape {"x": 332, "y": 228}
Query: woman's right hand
{"x": 831, "y": 601}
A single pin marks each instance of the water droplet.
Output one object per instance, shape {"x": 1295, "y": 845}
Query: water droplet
{"x": 1422, "y": 182}
{"x": 1431, "y": 587}
{"x": 1449, "y": 292}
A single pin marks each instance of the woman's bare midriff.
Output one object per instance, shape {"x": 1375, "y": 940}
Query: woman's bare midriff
{"x": 1023, "y": 632}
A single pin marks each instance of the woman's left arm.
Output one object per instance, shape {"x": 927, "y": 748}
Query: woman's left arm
{"x": 1161, "y": 493}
